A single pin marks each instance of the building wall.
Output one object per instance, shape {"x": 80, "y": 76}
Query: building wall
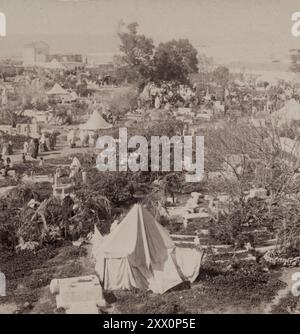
{"x": 35, "y": 53}
{"x": 40, "y": 58}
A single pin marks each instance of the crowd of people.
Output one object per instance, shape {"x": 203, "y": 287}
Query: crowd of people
{"x": 167, "y": 95}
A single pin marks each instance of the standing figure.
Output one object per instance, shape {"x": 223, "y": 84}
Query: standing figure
{"x": 41, "y": 163}
{"x": 157, "y": 102}
{"x": 71, "y": 138}
{"x": 4, "y": 149}
{"x": 42, "y": 143}
{"x": 84, "y": 138}
{"x": 52, "y": 141}
{"x": 74, "y": 167}
{"x": 10, "y": 148}
{"x": 8, "y": 166}
{"x": 25, "y": 148}
{"x": 47, "y": 143}
{"x": 34, "y": 148}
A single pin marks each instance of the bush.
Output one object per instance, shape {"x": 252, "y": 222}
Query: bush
{"x": 121, "y": 100}
{"x": 235, "y": 227}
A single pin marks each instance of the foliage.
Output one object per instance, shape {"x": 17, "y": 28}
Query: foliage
{"x": 220, "y": 291}
{"x": 9, "y": 221}
{"x": 137, "y": 53}
{"x": 236, "y": 227}
{"x": 21, "y": 223}
{"x": 117, "y": 187}
{"x": 174, "y": 61}
{"x": 169, "y": 127}
{"x": 93, "y": 208}
{"x": 33, "y": 95}
{"x": 122, "y": 100}
{"x": 289, "y": 229}
{"x": 287, "y": 305}
{"x": 141, "y": 61}
{"x": 22, "y": 194}
{"x": 17, "y": 140}
{"x": 263, "y": 162}
{"x": 221, "y": 75}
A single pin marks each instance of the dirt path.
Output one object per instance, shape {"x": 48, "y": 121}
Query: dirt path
{"x": 285, "y": 277}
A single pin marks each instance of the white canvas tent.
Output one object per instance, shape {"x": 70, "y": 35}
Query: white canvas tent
{"x": 290, "y": 112}
{"x": 95, "y": 122}
{"x": 139, "y": 253}
{"x": 57, "y": 90}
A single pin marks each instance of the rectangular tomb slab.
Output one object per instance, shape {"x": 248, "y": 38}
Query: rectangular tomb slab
{"x": 74, "y": 290}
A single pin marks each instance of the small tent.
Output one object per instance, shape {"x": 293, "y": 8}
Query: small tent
{"x": 95, "y": 122}
{"x": 139, "y": 253}
{"x": 57, "y": 90}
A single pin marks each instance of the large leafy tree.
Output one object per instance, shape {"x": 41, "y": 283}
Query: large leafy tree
{"x": 141, "y": 61}
{"x": 175, "y": 60}
{"x": 136, "y": 60}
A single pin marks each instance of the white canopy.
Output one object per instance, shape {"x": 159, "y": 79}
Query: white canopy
{"x": 95, "y": 122}
{"x": 57, "y": 90}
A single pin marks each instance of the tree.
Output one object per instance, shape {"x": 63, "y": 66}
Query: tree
{"x": 137, "y": 50}
{"x": 221, "y": 75}
{"x": 175, "y": 60}
{"x": 32, "y": 94}
{"x": 205, "y": 63}
{"x": 121, "y": 100}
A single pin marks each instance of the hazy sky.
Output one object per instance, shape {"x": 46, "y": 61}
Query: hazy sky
{"x": 225, "y": 29}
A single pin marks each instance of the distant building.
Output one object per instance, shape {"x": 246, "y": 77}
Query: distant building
{"x": 69, "y": 61}
{"x": 36, "y": 52}
{"x": 66, "y": 58}
{"x": 104, "y": 60}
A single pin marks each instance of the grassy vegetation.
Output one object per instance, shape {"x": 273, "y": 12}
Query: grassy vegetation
{"x": 285, "y": 304}
{"x": 216, "y": 291}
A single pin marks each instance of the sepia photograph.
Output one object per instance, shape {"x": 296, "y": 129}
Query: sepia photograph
{"x": 149, "y": 159}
